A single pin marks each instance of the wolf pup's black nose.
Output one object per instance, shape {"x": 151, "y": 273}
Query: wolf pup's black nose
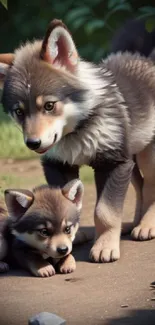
{"x": 62, "y": 250}
{"x": 33, "y": 144}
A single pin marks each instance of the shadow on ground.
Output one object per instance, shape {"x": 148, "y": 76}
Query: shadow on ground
{"x": 135, "y": 317}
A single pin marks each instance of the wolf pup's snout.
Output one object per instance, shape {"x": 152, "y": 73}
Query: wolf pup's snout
{"x": 33, "y": 144}
{"x": 62, "y": 250}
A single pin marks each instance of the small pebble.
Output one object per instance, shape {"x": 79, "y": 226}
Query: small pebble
{"x": 45, "y": 318}
{"x": 124, "y": 306}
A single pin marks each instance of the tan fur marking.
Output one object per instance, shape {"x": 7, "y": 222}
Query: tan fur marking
{"x": 39, "y": 101}
{"x": 37, "y": 126}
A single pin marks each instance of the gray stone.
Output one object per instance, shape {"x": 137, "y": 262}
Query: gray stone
{"x": 46, "y": 319}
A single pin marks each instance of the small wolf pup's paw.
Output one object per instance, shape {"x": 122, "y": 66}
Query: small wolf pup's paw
{"x": 4, "y": 267}
{"x": 44, "y": 271}
{"x": 68, "y": 265}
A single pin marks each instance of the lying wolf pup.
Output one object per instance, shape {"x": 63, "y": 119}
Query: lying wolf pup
{"x": 42, "y": 224}
{"x": 99, "y": 115}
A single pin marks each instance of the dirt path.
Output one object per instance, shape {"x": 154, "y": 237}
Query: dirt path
{"x": 23, "y": 168}
{"x": 118, "y": 293}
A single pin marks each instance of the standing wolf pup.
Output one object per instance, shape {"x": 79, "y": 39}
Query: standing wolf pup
{"x": 98, "y": 115}
{"x": 42, "y": 224}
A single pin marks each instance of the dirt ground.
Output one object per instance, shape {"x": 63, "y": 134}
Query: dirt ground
{"x": 118, "y": 293}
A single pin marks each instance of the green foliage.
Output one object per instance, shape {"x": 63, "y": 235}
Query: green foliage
{"x": 4, "y": 3}
{"x": 92, "y": 22}
{"x": 11, "y": 140}
{"x": 150, "y": 24}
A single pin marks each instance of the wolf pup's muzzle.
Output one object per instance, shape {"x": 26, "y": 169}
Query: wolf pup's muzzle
{"x": 33, "y": 144}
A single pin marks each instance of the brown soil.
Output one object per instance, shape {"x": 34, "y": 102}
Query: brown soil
{"x": 95, "y": 294}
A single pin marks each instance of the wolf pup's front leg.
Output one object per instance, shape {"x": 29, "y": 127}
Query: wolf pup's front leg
{"x": 32, "y": 262}
{"x": 67, "y": 264}
{"x": 111, "y": 192}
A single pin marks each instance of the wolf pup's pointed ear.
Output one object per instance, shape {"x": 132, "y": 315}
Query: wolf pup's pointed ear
{"x": 74, "y": 191}
{"x": 58, "y": 47}
{"x": 17, "y": 202}
{"x": 6, "y": 60}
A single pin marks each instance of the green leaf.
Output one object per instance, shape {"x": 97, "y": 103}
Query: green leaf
{"x": 91, "y": 26}
{"x": 87, "y": 50}
{"x": 91, "y": 3}
{"x": 121, "y": 7}
{"x": 59, "y": 9}
{"x": 114, "y": 3}
{"x": 78, "y": 23}
{"x": 76, "y": 13}
{"x": 4, "y": 3}
{"x": 150, "y": 25}
{"x": 99, "y": 54}
{"x": 147, "y": 10}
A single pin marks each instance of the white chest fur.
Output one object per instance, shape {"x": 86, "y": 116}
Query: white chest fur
{"x": 81, "y": 147}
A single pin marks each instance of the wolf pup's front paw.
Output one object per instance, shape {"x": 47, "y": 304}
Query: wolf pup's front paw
{"x": 44, "y": 271}
{"x": 68, "y": 264}
{"x": 105, "y": 250}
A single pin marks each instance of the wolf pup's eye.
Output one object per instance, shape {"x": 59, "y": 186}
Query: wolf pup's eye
{"x": 67, "y": 230}
{"x": 49, "y": 106}
{"x": 44, "y": 232}
{"x": 18, "y": 109}
{"x": 19, "y": 112}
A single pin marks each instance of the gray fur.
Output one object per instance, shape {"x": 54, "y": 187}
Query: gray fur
{"x": 112, "y": 112}
{"x": 111, "y": 99}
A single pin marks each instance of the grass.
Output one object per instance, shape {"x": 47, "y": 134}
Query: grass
{"x": 13, "y": 181}
{"x": 86, "y": 175}
{"x": 11, "y": 140}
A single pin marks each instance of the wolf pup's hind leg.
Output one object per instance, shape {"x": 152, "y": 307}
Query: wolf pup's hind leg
{"x": 146, "y": 162}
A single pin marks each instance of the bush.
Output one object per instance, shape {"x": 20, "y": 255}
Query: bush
{"x": 92, "y": 22}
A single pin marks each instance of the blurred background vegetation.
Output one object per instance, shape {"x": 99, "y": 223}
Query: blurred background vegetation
{"x": 92, "y": 23}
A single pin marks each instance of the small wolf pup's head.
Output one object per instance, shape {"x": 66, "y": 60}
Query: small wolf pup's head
{"x": 41, "y": 88}
{"x": 46, "y": 219}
